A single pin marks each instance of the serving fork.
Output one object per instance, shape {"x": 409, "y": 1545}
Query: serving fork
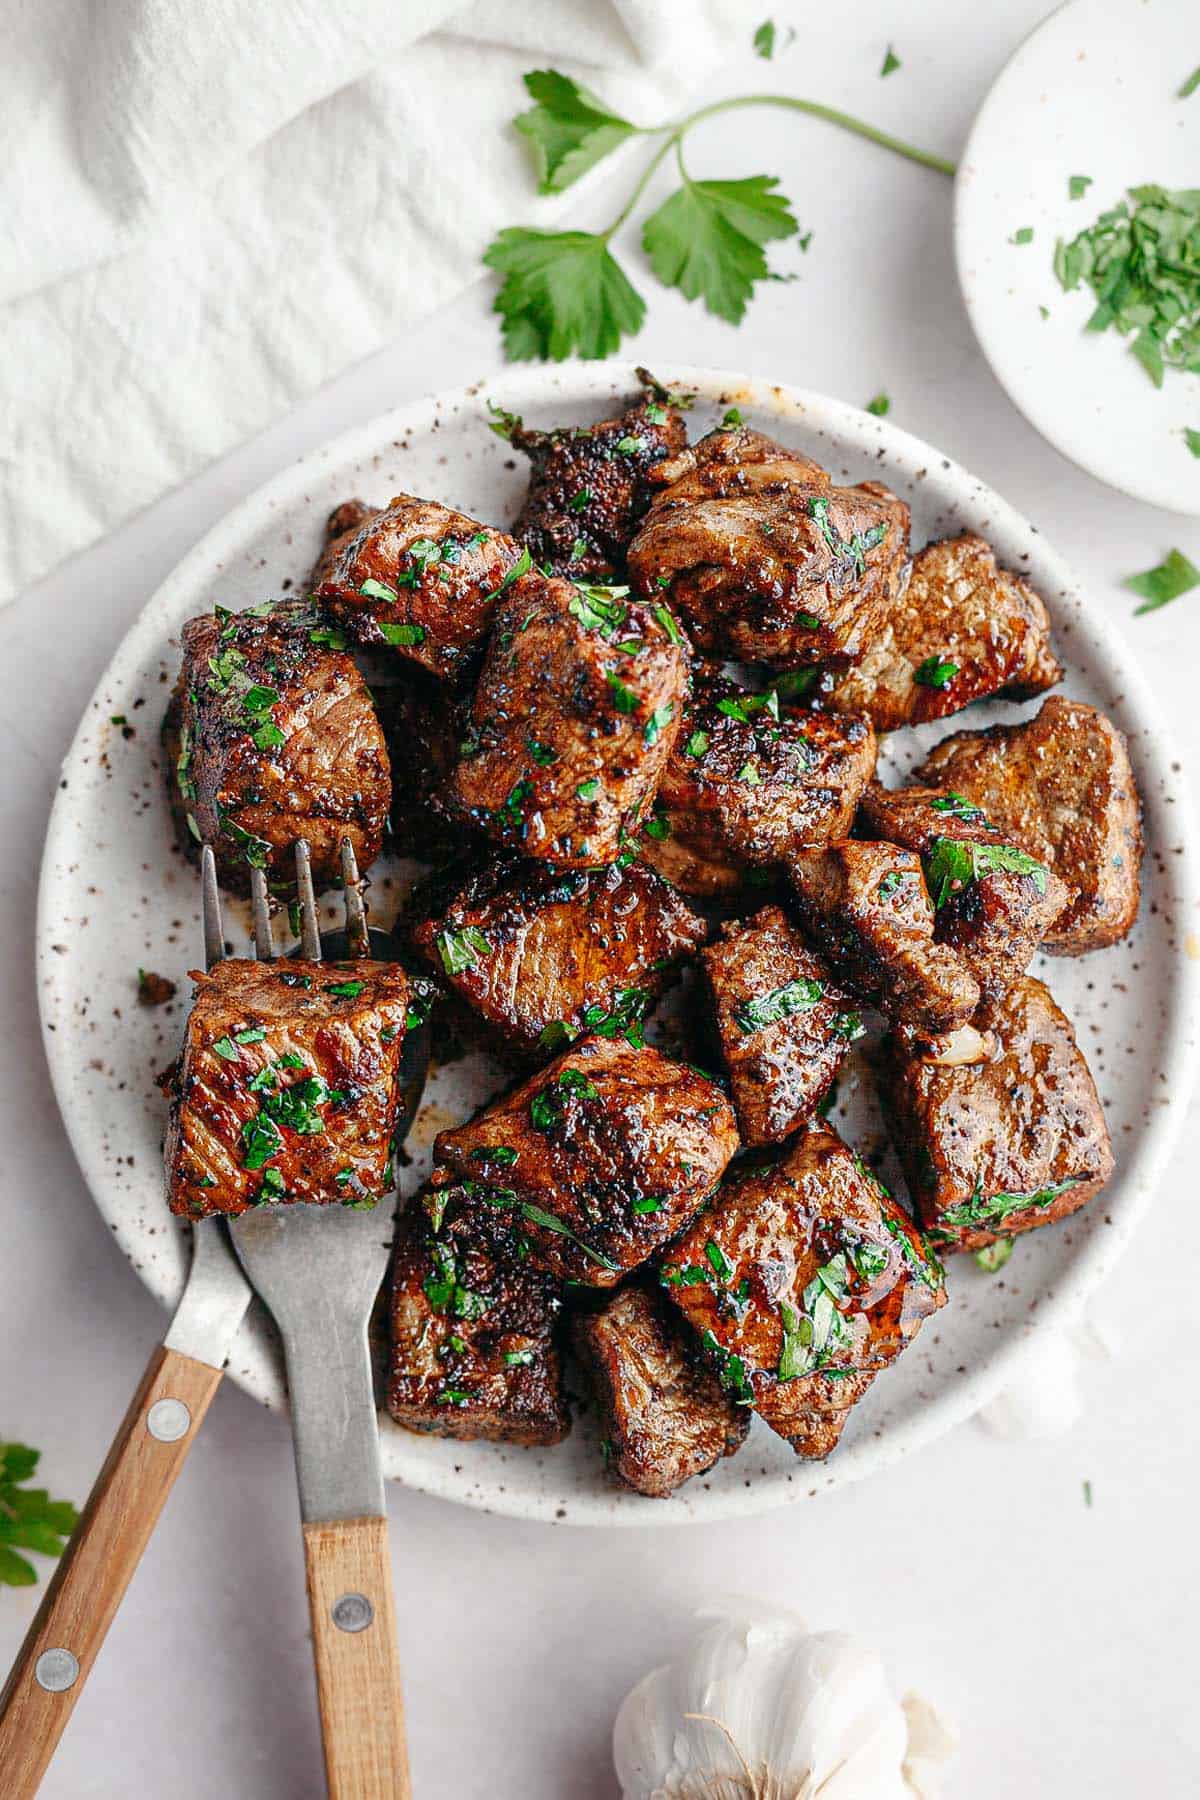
{"x": 319, "y": 1278}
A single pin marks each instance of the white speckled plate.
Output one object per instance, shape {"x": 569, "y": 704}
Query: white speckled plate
{"x": 1093, "y": 91}
{"x": 116, "y": 894}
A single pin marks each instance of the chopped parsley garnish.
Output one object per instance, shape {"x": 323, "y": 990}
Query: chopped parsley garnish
{"x": 402, "y": 634}
{"x": 666, "y": 619}
{"x": 730, "y": 1369}
{"x": 748, "y": 773}
{"x": 1078, "y": 186}
{"x": 1192, "y": 439}
{"x": 658, "y": 825}
{"x": 1186, "y": 91}
{"x": 463, "y": 949}
{"x": 764, "y": 40}
{"x": 1141, "y": 259}
{"x": 994, "y": 1256}
{"x": 578, "y": 501}
{"x": 521, "y": 567}
{"x": 957, "y": 806}
{"x": 768, "y": 1009}
{"x": 624, "y": 698}
{"x": 1023, "y": 236}
{"x": 1174, "y": 576}
{"x": 256, "y": 850}
{"x": 261, "y": 1141}
{"x": 623, "y": 1018}
{"x": 375, "y": 590}
{"x": 346, "y": 990}
{"x": 549, "y": 1221}
{"x": 719, "y": 1263}
{"x": 852, "y": 551}
{"x": 225, "y": 1047}
{"x": 990, "y": 1210}
{"x": 579, "y": 549}
{"x": 880, "y": 406}
{"x": 601, "y": 609}
{"x": 658, "y": 721}
{"x": 587, "y": 790}
{"x": 444, "y": 1289}
{"x": 515, "y": 1359}
{"x": 503, "y": 1154}
{"x": 951, "y": 867}
{"x": 732, "y": 419}
{"x": 935, "y": 673}
{"x": 891, "y": 883}
{"x": 253, "y": 1034}
{"x": 891, "y": 62}
{"x": 513, "y": 810}
{"x": 631, "y": 446}
{"x": 649, "y": 1203}
{"x": 848, "y": 1025}
{"x": 697, "y": 744}
{"x": 542, "y": 754}
{"x": 548, "y": 1106}
{"x": 501, "y": 422}
{"x": 29, "y": 1518}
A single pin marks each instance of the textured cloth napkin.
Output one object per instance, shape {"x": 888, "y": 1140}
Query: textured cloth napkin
{"x": 207, "y": 210}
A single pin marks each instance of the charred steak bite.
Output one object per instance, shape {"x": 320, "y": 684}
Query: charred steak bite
{"x": 577, "y": 708}
{"x": 663, "y": 1413}
{"x": 763, "y": 559}
{"x": 588, "y": 486}
{"x": 803, "y": 1280}
{"x": 271, "y": 736}
{"x": 422, "y": 578}
{"x": 287, "y": 1087}
{"x": 1010, "y": 1141}
{"x": 1061, "y": 787}
{"x": 593, "y": 1163}
{"x": 963, "y": 629}
{"x": 866, "y": 908}
{"x": 473, "y": 1339}
{"x": 750, "y": 780}
{"x": 785, "y": 1025}
{"x": 548, "y": 954}
{"x": 421, "y": 727}
{"x": 993, "y": 903}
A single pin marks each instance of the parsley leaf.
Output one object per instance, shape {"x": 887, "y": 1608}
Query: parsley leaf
{"x": 1174, "y": 576}
{"x": 880, "y": 406}
{"x": 461, "y": 950}
{"x": 780, "y": 1003}
{"x": 1192, "y": 439}
{"x": 706, "y": 239}
{"x": 764, "y": 40}
{"x": 950, "y": 866}
{"x": 562, "y": 294}
{"x": 1190, "y": 85}
{"x": 1023, "y": 236}
{"x": 570, "y": 129}
{"x": 1141, "y": 259}
{"x": 29, "y": 1518}
{"x": 891, "y": 63}
{"x": 1078, "y": 186}
{"x": 935, "y": 673}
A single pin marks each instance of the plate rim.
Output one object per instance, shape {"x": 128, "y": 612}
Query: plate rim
{"x": 1043, "y": 419}
{"x": 581, "y": 383}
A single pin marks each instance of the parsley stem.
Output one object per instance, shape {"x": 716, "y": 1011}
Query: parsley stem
{"x": 831, "y": 115}
{"x": 647, "y": 172}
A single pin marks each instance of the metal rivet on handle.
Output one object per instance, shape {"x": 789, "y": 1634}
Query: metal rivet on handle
{"x": 56, "y": 1670}
{"x": 352, "y": 1612}
{"x": 168, "y": 1421}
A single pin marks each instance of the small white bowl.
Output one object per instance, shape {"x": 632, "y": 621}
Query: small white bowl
{"x": 1094, "y": 91}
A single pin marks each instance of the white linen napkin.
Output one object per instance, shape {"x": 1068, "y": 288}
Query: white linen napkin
{"x": 207, "y": 210}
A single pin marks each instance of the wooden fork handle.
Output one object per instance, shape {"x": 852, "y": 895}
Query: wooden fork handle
{"x": 349, "y": 1573}
{"x": 96, "y": 1567}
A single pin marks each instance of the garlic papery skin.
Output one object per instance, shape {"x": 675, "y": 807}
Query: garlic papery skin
{"x": 761, "y": 1708}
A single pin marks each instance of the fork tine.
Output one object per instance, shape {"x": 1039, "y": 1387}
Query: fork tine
{"x": 264, "y": 942}
{"x": 358, "y": 935}
{"x": 310, "y": 930}
{"x": 210, "y": 907}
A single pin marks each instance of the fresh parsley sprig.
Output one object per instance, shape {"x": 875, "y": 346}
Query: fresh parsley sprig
{"x": 29, "y": 1518}
{"x": 564, "y": 293}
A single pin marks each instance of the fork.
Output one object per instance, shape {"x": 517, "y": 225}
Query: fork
{"x": 319, "y": 1269}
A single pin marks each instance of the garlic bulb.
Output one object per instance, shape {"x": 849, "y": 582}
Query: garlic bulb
{"x": 760, "y": 1708}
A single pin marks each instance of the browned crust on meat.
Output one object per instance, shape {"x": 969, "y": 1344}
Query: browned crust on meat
{"x": 327, "y": 1034}
{"x": 1023, "y": 1121}
{"x": 960, "y": 612}
{"x": 662, "y": 1414}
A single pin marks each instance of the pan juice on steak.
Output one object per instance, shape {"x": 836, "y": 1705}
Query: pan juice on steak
{"x": 634, "y": 730}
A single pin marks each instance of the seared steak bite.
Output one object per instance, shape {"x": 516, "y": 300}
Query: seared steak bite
{"x": 287, "y": 1087}
{"x": 749, "y": 781}
{"x": 473, "y": 1346}
{"x": 963, "y": 629}
{"x": 663, "y": 1414}
{"x": 1010, "y": 1141}
{"x": 577, "y": 707}
{"x": 867, "y": 909}
{"x": 271, "y": 736}
{"x": 763, "y": 559}
{"x": 588, "y": 487}
{"x": 1061, "y": 787}
{"x": 547, "y": 954}
{"x": 785, "y": 1025}
{"x": 993, "y": 903}
{"x": 803, "y": 1280}
{"x": 424, "y": 579}
{"x": 594, "y": 1162}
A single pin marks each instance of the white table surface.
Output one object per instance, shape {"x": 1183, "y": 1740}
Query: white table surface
{"x": 1059, "y": 1637}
